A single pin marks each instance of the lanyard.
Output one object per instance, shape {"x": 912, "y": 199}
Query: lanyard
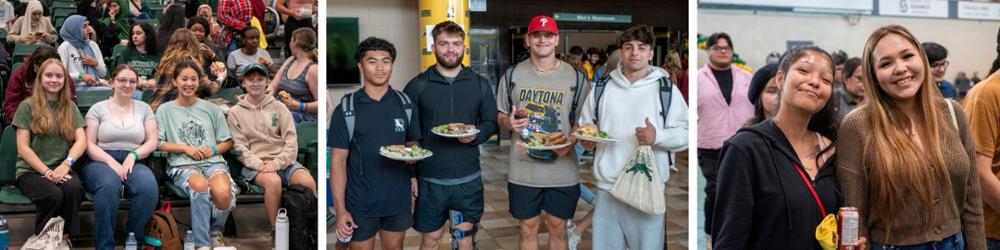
{"x": 811, "y": 189}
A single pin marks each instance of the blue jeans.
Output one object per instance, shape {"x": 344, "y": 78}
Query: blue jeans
{"x": 992, "y": 244}
{"x": 954, "y": 242}
{"x": 140, "y": 186}
{"x": 205, "y": 215}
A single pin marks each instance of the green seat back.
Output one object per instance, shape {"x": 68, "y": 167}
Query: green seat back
{"x": 8, "y": 149}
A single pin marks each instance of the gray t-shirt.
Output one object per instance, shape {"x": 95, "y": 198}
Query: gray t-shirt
{"x": 237, "y": 60}
{"x": 549, "y": 98}
{"x": 201, "y": 125}
{"x": 111, "y": 135}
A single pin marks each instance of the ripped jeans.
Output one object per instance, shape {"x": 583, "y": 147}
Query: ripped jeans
{"x": 204, "y": 214}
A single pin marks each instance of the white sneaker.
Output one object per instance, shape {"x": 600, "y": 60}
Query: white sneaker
{"x": 205, "y": 248}
{"x": 574, "y": 239}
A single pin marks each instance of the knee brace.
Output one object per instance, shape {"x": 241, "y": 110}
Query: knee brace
{"x": 458, "y": 218}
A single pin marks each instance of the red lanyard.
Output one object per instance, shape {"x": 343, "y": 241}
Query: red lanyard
{"x": 811, "y": 189}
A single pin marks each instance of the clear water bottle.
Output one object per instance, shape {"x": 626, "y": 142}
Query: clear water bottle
{"x": 131, "y": 243}
{"x": 281, "y": 230}
{"x": 189, "y": 241}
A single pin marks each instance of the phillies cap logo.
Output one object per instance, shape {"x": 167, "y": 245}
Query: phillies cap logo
{"x": 543, "y": 21}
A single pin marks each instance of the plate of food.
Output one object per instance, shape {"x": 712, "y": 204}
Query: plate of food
{"x": 404, "y": 153}
{"x": 547, "y": 141}
{"x": 589, "y": 132}
{"x": 455, "y": 130}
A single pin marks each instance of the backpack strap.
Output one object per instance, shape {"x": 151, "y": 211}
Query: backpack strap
{"x": 347, "y": 106}
{"x": 510, "y": 85}
{"x": 407, "y": 105}
{"x": 598, "y": 92}
{"x": 666, "y": 93}
{"x": 576, "y": 97}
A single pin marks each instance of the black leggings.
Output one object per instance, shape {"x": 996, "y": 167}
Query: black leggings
{"x": 51, "y": 200}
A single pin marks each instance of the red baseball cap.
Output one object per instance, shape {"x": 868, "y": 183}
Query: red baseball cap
{"x": 543, "y": 23}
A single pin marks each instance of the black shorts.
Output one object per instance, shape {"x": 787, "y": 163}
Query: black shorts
{"x": 434, "y": 201}
{"x": 368, "y": 226}
{"x": 528, "y": 202}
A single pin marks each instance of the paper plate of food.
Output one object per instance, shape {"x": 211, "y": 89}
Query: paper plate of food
{"x": 547, "y": 141}
{"x": 455, "y": 130}
{"x": 404, "y": 153}
{"x": 589, "y": 132}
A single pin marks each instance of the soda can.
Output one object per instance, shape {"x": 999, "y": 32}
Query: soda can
{"x": 848, "y": 220}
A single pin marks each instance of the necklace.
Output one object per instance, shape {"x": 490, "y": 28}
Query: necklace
{"x": 539, "y": 70}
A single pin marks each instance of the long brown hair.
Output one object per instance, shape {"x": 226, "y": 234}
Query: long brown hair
{"x": 898, "y": 164}
{"x": 41, "y": 118}
{"x": 183, "y": 43}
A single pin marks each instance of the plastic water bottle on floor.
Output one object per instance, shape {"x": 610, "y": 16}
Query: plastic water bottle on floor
{"x": 281, "y": 230}
{"x": 189, "y": 241}
{"x": 131, "y": 243}
{"x": 3, "y": 232}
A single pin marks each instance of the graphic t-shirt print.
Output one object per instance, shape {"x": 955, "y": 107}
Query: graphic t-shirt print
{"x": 542, "y": 107}
{"x": 192, "y": 133}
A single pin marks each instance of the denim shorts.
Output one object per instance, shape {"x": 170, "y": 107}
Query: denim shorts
{"x": 180, "y": 175}
{"x": 285, "y": 174}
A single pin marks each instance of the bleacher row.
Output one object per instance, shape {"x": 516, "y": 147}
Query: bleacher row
{"x": 13, "y": 202}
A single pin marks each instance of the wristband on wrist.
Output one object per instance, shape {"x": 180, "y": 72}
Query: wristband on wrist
{"x": 215, "y": 151}
{"x": 136, "y": 154}
{"x": 81, "y": 76}
{"x": 70, "y": 160}
{"x": 47, "y": 172}
{"x": 302, "y": 106}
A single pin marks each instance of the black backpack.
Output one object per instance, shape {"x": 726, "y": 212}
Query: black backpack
{"x": 300, "y": 202}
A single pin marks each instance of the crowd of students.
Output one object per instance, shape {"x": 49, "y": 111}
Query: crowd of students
{"x": 62, "y": 152}
{"x": 815, "y": 132}
{"x": 374, "y": 194}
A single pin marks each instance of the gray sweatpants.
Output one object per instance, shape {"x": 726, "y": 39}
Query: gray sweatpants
{"x": 619, "y": 226}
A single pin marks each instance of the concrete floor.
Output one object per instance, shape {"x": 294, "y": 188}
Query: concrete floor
{"x": 499, "y": 230}
{"x": 253, "y": 229}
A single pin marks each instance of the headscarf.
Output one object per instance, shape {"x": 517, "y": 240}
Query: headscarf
{"x": 33, "y": 6}
{"x": 72, "y": 32}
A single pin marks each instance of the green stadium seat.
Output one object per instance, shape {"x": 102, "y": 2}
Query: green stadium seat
{"x": 308, "y": 146}
{"x": 23, "y": 50}
{"x": 228, "y": 94}
{"x": 87, "y": 99}
{"x": 63, "y": 5}
{"x": 8, "y": 147}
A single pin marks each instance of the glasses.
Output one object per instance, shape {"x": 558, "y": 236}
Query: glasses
{"x": 718, "y": 48}
{"x": 943, "y": 63}
{"x": 132, "y": 81}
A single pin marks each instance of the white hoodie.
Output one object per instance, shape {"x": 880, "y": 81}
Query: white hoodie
{"x": 624, "y": 107}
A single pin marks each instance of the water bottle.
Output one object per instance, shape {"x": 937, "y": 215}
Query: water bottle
{"x": 3, "y": 232}
{"x": 281, "y": 230}
{"x": 189, "y": 241}
{"x": 131, "y": 243}
{"x": 346, "y": 239}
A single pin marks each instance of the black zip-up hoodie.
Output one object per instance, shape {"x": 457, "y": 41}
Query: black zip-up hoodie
{"x": 468, "y": 99}
{"x": 762, "y": 201}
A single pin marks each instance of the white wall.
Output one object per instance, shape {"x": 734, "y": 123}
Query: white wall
{"x": 393, "y": 20}
{"x": 970, "y": 44}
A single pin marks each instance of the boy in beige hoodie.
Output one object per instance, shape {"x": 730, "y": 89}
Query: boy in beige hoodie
{"x": 264, "y": 131}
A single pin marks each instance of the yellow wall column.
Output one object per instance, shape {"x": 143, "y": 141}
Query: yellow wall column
{"x": 433, "y": 12}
